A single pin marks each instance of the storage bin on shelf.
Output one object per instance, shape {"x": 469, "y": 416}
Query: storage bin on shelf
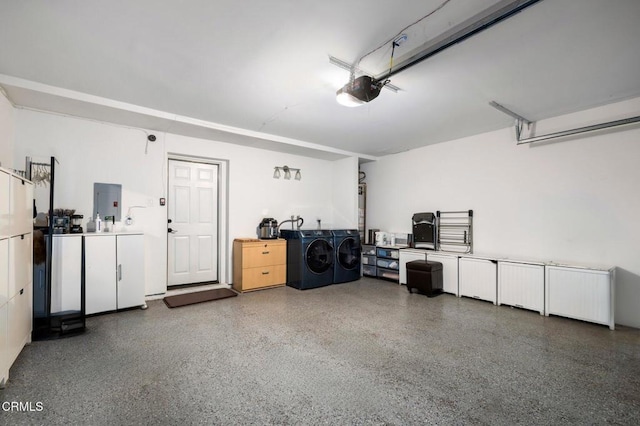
{"x": 369, "y": 260}
{"x": 392, "y": 253}
{"x": 369, "y": 270}
{"x": 388, "y": 274}
{"x": 368, "y": 249}
{"x": 387, "y": 263}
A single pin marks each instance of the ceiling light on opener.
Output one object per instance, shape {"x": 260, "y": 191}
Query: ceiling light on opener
{"x": 359, "y": 91}
{"x": 346, "y": 66}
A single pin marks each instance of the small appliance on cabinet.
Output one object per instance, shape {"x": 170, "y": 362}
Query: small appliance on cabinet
{"x": 268, "y": 229}
{"x": 76, "y": 224}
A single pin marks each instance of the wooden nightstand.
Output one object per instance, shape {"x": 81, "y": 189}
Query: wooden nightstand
{"x": 259, "y": 264}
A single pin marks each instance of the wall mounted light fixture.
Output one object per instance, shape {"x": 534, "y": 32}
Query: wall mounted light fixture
{"x": 287, "y": 172}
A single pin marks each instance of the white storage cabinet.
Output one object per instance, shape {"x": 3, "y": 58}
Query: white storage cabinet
{"x": 409, "y": 255}
{"x": 19, "y": 304}
{"x": 66, "y": 273}
{"x": 580, "y": 293}
{"x": 5, "y": 205}
{"x": 521, "y": 285}
{"x": 130, "y": 271}
{"x": 114, "y": 268}
{"x": 16, "y": 246}
{"x": 478, "y": 278}
{"x": 449, "y": 271}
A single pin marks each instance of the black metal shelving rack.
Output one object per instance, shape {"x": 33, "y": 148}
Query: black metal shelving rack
{"x": 58, "y": 324}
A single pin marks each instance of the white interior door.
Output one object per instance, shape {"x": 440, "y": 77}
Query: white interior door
{"x": 193, "y": 222}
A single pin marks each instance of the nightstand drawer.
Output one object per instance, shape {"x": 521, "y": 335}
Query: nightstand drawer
{"x": 264, "y": 254}
{"x": 264, "y": 276}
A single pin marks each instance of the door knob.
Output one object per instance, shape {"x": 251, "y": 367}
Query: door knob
{"x": 171, "y": 231}
{"x": 169, "y": 221}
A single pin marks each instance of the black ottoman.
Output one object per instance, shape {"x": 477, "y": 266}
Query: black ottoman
{"x": 425, "y": 276}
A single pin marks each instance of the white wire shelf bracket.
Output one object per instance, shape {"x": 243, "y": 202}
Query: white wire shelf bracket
{"x": 521, "y": 121}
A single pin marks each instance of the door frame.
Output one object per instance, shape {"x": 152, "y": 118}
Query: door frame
{"x": 223, "y": 259}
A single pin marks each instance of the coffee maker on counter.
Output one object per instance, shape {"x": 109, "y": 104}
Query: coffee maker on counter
{"x": 76, "y": 223}
{"x": 63, "y": 221}
{"x": 60, "y": 224}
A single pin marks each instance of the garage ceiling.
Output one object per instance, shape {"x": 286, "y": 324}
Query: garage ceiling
{"x": 257, "y": 72}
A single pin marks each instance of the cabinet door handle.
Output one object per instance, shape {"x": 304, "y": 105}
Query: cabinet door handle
{"x": 120, "y": 272}
{"x": 265, "y": 273}
{"x": 22, "y": 291}
{"x": 265, "y": 252}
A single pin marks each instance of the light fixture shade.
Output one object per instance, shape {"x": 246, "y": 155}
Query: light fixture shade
{"x": 345, "y": 99}
{"x": 287, "y": 172}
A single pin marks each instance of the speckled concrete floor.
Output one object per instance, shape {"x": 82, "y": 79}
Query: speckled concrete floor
{"x": 365, "y": 352}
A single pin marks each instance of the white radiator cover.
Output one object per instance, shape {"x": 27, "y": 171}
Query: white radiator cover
{"x": 409, "y": 255}
{"x": 449, "y": 271}
{"x": 478, "y": 279}
{"x": 580, "y": 293}
{"x": 521, "y": 285}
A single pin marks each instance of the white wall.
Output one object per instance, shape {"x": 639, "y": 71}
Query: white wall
{"x": 6, "y": 133}
{"x": 574, "y": 200}
{"x": 254, "y": 193}
{"x": 344, "y": 175}
{"x": 91, "y": 152}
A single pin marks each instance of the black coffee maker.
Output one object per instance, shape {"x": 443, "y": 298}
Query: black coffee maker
{"x": 76, "y": 224}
